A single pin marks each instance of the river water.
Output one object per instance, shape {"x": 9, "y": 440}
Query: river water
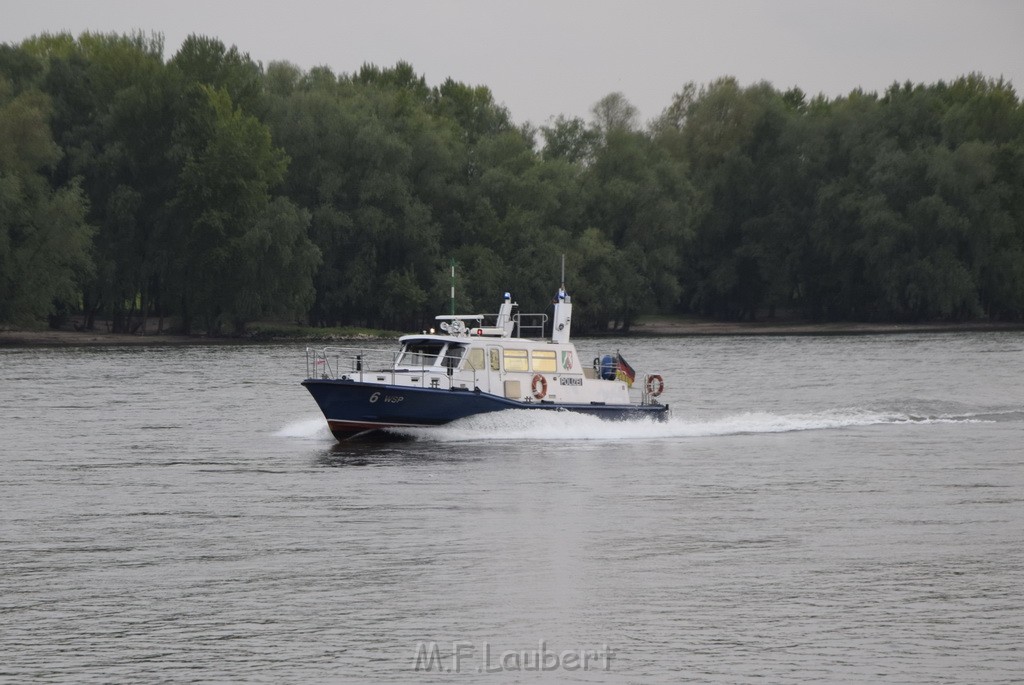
{"x": 837, "y": 509}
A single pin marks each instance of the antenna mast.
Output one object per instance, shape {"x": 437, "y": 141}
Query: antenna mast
{"x": 453, "y": 286}
{"x": 563, "y": 312}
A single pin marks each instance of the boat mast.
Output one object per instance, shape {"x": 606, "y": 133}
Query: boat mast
{"x": 563, "y": 312}
{"x": 453, "y": 286}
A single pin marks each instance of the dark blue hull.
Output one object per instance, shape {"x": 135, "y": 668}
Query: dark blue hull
{"x": 352, "y": 408}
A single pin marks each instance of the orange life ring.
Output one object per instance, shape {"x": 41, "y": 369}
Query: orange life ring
{"x": 655, "y": 385}
{"x": 539, "y": 386}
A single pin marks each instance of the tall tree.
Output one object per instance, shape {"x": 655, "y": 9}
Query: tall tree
{"x": 639, "y": 198}
{"x": 613, "y": 113}
{"x": 208, "y": 61}
{"x": 571, "y": 140}
{"x": 242, "y": 255}
{"x": 44, "y": 237}
{"x": 115, "y": 110}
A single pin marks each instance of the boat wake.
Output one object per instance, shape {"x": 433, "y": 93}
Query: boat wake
{"x": 526, "y": 425}
{"x": 314, "y": 428}
{"x": 545, "y": 426}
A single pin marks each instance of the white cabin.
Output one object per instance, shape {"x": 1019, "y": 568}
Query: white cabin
{"x": 472, "y": 355}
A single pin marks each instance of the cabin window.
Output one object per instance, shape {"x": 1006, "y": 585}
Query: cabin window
{"x": 544, "y": 361}
{"x": 454, "y": 356}
{"x": 495, "y": 360}
{"x": 516, "y": 360}
{"x": 422, "y": 353}
{"x": 475, "y": 359}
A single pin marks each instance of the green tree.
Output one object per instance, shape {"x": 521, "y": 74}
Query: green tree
{"x": 571, "y": 140}
{"x": 756, "y": 160}
{"x": 613, "y": 113}
{"x": 208, "y": 61}
{"x": 115, "y": 109}
{"x": 44, "y": 237}
{"x": 638, "y": 196}
{"x": 472, "y": 108}
{"x": 242, "y": 255}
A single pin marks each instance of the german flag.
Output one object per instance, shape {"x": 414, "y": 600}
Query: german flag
{"x": 623, "y": 371}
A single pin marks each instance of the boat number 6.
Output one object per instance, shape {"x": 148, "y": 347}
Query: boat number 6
{"x": 374, "y": 397}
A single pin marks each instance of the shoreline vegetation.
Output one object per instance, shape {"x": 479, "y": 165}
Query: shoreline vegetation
{"x": 651, "y": 327}
{"x": 213, "y": 190}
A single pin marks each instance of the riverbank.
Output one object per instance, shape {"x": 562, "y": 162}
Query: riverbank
{"x": 261, "y": 332}
{"x": 59, "y": 338}
{"x": 654, "y": 326}
{"x": 658, "y": 326}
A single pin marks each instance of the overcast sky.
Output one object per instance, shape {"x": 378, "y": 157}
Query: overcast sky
{"x": 542, "y": 58}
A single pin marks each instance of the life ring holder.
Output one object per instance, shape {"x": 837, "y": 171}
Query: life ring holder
{"x": 655, "y": 385}
{"x": 539, "y": 386}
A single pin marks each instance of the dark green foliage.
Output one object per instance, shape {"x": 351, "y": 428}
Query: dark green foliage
{"x": 241, "y": 255}
{"x": 863, "y": 208}
{"x": 211, "y": 190}
{"x": 178, "y": 178}
{"x": 44, "y": 240}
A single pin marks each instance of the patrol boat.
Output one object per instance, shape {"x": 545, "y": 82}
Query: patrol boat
{"x": 477, "y": 364}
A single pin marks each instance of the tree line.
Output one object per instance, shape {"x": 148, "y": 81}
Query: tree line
{"x": 211, "y": 191}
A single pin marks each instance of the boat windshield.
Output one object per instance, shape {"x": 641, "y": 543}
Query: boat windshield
{"x": 419, "y": 353}
{"x": 453, "y": 356}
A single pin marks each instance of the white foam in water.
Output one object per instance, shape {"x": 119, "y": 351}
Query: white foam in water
{"x": 527, "y": 424}
{"x": 311, "y": 429}
{"x": 522, "y": 425}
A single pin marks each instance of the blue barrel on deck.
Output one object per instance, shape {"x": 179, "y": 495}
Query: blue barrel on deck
{"x": 608, "y": 367}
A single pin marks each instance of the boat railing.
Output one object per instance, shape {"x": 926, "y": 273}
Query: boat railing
{"x": 530, "y": 322}
{"x": 522, "y": 323}
{"x": 379, "y": 366}
{"x": 649, "y": 390}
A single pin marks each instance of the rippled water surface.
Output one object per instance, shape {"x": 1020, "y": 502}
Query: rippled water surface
{"x": 828, "y": 509}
